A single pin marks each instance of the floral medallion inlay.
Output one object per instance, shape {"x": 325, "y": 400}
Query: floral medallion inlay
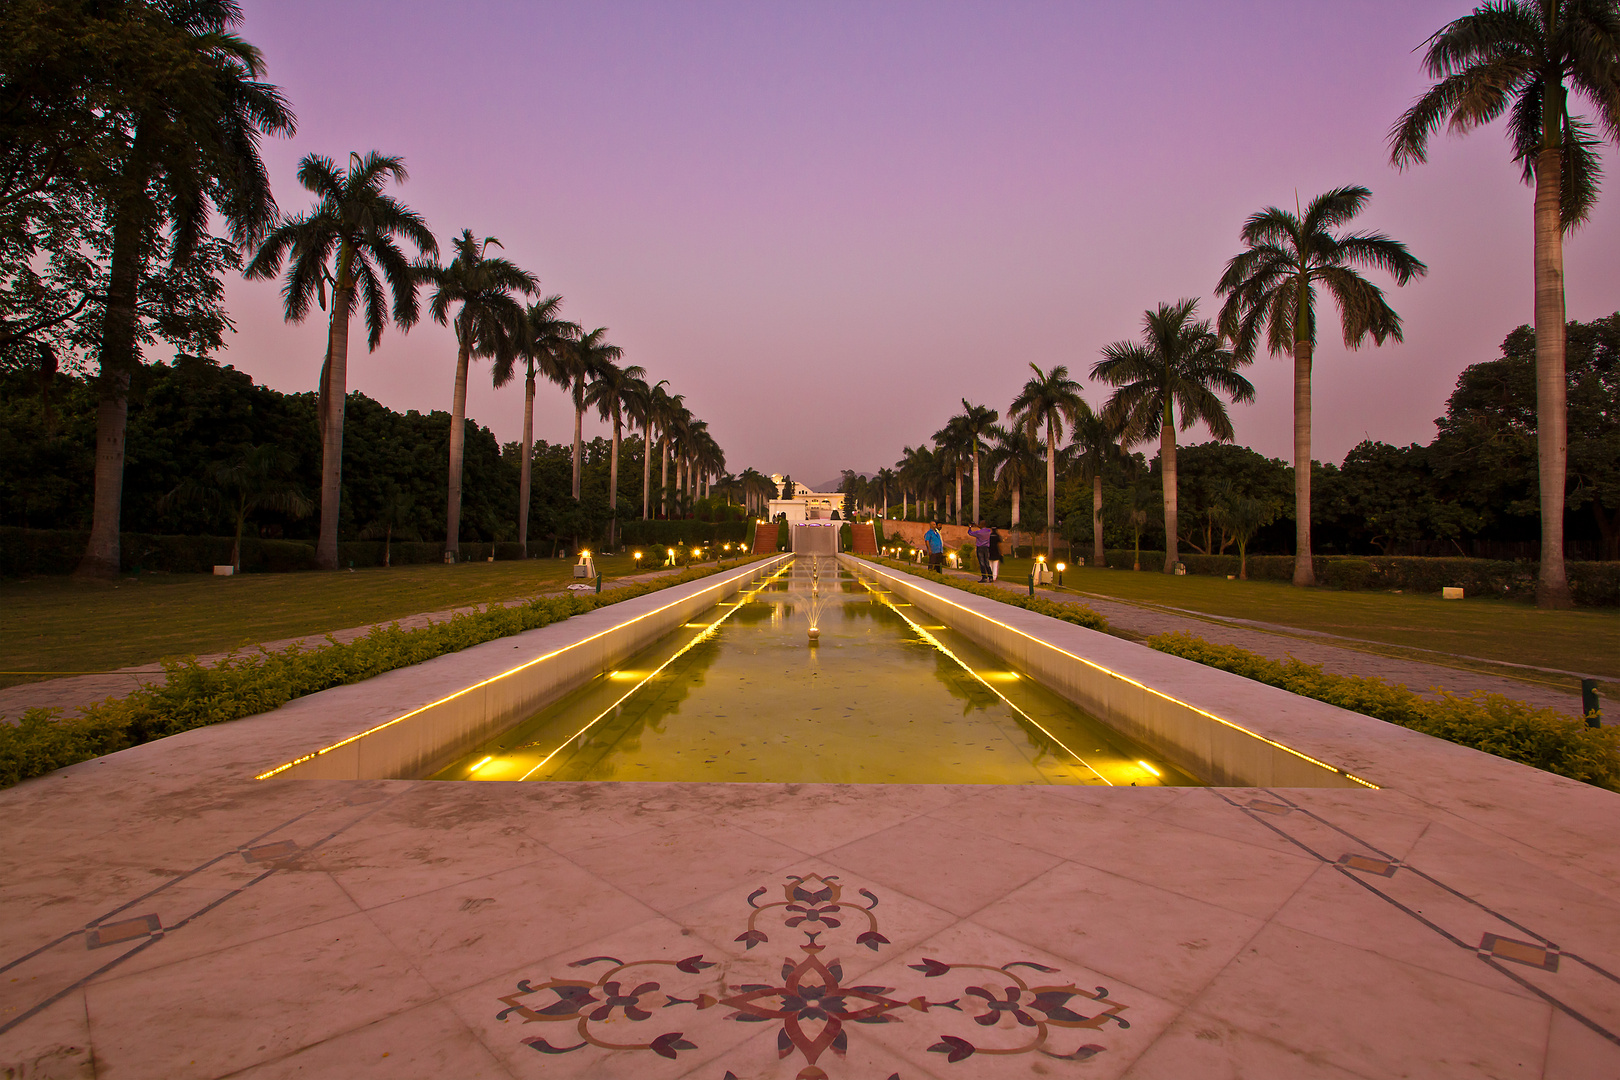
{"x": 958, "y": 1009}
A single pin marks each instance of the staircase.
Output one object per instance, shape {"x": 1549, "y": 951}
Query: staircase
{"x": 863, "y": 538}
{"x": 765, "y": 534}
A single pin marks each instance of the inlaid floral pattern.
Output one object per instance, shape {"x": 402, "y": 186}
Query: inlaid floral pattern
{"x": 957, "y": 1010}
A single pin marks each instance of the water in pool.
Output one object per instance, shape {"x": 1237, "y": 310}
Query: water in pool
{"x": 883, "y": 695}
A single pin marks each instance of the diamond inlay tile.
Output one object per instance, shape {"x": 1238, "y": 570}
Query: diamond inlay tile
{"x": 124, "y": 930}
{"x": 1520, "y": 952}
{"x": 281, "y": 849}
{"x": 1381, "y": 867}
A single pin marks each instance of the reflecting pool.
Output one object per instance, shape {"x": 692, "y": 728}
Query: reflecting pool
{"x": 882, "y": 695}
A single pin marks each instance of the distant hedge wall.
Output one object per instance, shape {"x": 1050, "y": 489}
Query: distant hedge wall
{"x": 682, "y": 531}
{"x": 1595, "y": 584}
{"x": 34, "y": 552}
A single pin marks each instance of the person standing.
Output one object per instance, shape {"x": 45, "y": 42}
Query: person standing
{"x": 995, "y": 554}
{"x": 981, "y": 548}
{"x": 936, "y": 548}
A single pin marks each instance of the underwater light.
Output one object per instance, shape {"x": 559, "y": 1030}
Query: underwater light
{"x": 1150, "y": 768}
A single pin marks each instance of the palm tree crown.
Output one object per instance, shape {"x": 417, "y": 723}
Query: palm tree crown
{"x": 1272, "y": 286}
{"x": 1178, "y": 362}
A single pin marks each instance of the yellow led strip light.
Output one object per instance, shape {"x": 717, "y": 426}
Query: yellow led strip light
{"x": 708, "y": 632}
{"x": 1139, "y": 685}
{"x": 941, "y": 646}
{"x": 480, "y": 685}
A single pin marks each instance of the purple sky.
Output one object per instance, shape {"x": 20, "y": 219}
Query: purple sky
{"x": 826, "y": 224}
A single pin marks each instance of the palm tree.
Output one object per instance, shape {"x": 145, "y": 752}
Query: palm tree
{"x": 953, "y": 440}
{"x": 1272, "y": 286}
{"x": 1096, "y": 445}
{"x": 192, "y": 140}
{"x": 347, "y": 241}
{"x": 546, "y": 339}
{"x": 1522, "y": 57}
{"x": 641, "y": 407}
{"x": 584, "y": 360}
{"x": 976, "y": 422}
{"x": 886, "y": 478}
{"x": 1179, "y": 362}
{"x": 1049, "y": 398}
{"x": 609, "y": 393}
{"x": 1015, "y": 462}
{"x": 667, "y": 413}
{"x": 491, "y": 323}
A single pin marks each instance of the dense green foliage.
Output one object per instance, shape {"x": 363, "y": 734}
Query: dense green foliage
{"x": 1544, "y": 738}
{"x": 195, "y": 695}
{"x": 194, "y": 412}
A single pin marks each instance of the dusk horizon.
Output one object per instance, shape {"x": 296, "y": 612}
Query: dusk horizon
{"x": 910, "y": 204}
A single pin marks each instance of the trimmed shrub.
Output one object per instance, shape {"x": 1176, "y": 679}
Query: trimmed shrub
{"x": 1494, "y": 723}
{"x": 194, "y": 695}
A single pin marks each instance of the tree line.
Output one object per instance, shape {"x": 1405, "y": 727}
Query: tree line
{"x": 131, "y": 182}
{"x": 1520, "y": 58}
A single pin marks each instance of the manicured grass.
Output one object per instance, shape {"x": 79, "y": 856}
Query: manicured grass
{"x": 1585, "y": 640}
{"x": 59, "y": 625}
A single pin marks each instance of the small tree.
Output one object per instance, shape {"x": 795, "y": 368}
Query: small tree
{"x": 253, "y": 482}
{"x": 1241, "y": 517}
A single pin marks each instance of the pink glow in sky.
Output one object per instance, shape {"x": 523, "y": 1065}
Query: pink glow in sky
{"x": 827, "y": 223}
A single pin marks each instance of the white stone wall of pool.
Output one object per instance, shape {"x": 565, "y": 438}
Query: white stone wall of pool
{"x": 163, "y": 914}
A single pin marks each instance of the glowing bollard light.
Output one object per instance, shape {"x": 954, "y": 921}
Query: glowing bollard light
{"x": 1060, "y": 568}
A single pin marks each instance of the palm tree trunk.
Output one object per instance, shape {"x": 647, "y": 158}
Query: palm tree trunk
{"x": 334, "y": 393}
{"x": 1017, "y": 495}
{"x": 613, "y": 487}
{"x": 1304, "y": 572}
{"x": 975, "y": 482}
{"x": 458, "y": 438}
{"x": 1099, "y": 555}
{"x": 646, "y": 471}
{"x": 959, "y": 491}
{"x": 102, "y": 556}
{"x": 663, "y": 478}
{"x": 1552, "y": 418}
{"x": 525, "y": 469}
{"x": 1051, "y": 487}
{"x": 1167, "y": 473}
{"x": 579, "y": 444}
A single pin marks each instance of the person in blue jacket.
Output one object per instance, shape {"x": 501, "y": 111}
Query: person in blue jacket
{"x": 936, "y": 548}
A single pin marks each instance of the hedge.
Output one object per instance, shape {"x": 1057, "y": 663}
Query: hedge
{"x": 1595, "y": 584}
{"x": 662, "y": 532}
{"x": 1494, "y": 723}
{"x": 1078, "y": 614}
{"x": 194, "y": 695}
{"x": 33, "y": 552}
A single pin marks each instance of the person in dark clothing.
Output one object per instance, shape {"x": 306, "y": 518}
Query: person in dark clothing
{"x": 981, "y": 548}
{"x": 994, "y": 548}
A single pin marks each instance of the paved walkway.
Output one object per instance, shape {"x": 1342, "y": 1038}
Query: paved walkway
{"x": 1280, "y": 643}
{"x": 75, "y": 692}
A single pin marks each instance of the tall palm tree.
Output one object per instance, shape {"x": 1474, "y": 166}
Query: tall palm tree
{"x": 1522, "y": 57}
{"x": 546, "y": 339}
{"x": 641, "y": 407}
{"x": 1178, "y": 362}
{"x": 886, "y": 479}
{"x": 190, "y": 140}
{"x": 490, "y": 323}
{"x": 668, "y": 411}
{"x": 1049, "y": 398}
{"x": 613, "y": 385}
{"x": 976, "y": 422}
{"x": 1015, "y": 462}
{"x": 1096, "y": 445}
{"x": 1272, "y": 286}
{"x": 953, "y": 441}
{"x": 586, "y": 357}
{"x": 348, "y": 241}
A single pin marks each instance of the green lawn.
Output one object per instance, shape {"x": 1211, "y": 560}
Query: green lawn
{"x": 60, "y": 625}
{"x": 1585, "y": 640}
